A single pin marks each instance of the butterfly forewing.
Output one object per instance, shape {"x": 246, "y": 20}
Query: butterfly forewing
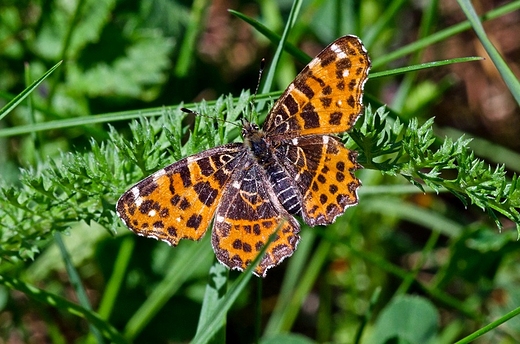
{"x": 179, "y": 201}
{"x": 326, "y": 97}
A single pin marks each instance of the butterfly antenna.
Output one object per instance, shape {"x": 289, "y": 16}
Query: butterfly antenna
{"x": 191, "y": 112}
{"x": 260, "y": 72}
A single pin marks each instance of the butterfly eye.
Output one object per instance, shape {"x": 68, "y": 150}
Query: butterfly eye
{"x": 255, "y": 126}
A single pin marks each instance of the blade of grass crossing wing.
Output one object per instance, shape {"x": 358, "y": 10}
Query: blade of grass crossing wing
{"x": 207, "y": 330}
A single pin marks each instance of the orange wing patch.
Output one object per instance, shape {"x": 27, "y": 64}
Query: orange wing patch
{"x": 248, "y": 214}
{"x": 179, "y": 201}
{"x": 325, "y": 98}
{"x": 334, "y": 186}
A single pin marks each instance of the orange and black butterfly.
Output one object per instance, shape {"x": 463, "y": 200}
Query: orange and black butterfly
{"x": 294, "y": 165}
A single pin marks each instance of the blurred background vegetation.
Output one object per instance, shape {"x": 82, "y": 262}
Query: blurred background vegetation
{"x": 420, "y": 267}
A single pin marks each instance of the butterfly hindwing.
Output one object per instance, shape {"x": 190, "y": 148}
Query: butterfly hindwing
{"x": 179, "y": 201}
{"x": 324, "y": 172}
{"x": 249, "y": 212}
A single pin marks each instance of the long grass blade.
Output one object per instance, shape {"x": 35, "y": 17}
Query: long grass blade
{"x": 507, "y": 74}
{"x": 20, "y": 97}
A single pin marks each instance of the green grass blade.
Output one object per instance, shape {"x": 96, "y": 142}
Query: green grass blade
{"x": 109, "y": 117}
{"x": 382, "y": 22}
{"x": 415, "y": 214}
{"x": 20, "y": 97}
{"x": 213, "y": 320}
{"x": 190, "y": 38}
{"x": 115, "y": 282}
{"x": 116, "y": 279}
{"x": 215, "y": 291}
{"x": 295, "y": 9}
{"x": 273, "y": 37}
{"x": 441, "y": 35}
{"x": 75, "y": 280}
{"x": 426, "y": 65}
{"x": 305, "y": 284}
{"x": 295, "y": 269}
{"x": 489, "y": 327}
{"x": 180, "y": 271}
{"x": 57, "y": 301}
{"x": 509, "y": 78}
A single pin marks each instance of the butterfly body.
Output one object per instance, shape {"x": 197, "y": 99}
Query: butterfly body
{"x": 294, "y": 165}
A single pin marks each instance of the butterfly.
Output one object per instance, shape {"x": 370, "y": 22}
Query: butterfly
{"x": 293, "y": 166}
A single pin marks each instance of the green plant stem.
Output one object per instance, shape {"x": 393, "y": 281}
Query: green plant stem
{"x": 296, "y": 267}
{"x": 64, "y": 48}
{"x": 211, "y": 323}
{"x": 178, "y": 274}
{"x": 26, "y": 92}
{"x": 368, "y": 314}
{"x": 407, "y": 282}
{"x": 490, "y": 326}
{"x": 401, "y": 273}
{"x": 303, "y": 288}
{"x": 189, "y": 42}
{"x": 116, "y": 279}
{"x": 76, "y": 283}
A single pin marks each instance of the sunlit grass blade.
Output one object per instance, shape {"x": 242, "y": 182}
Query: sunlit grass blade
{"x": 509, "y": 78}
{"x": 20, "y": 97}
{"x": 421, "y": 66}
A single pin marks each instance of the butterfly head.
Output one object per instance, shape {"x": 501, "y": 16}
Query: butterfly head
{"x": 250, "y": 130}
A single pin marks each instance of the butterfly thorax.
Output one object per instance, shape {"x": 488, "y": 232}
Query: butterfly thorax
{"x": 255, "y": 140}
{"x": 265, "y": 154}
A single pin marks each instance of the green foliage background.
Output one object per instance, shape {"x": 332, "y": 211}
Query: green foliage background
{"x": 430, "y": 254}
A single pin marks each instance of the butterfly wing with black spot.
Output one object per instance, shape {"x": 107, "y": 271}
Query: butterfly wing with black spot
{"x": 179, "y": 201}
{"x": 324, "y": 173}
{"x": 326, "y": 97}
{"x": 249, "y": 212}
